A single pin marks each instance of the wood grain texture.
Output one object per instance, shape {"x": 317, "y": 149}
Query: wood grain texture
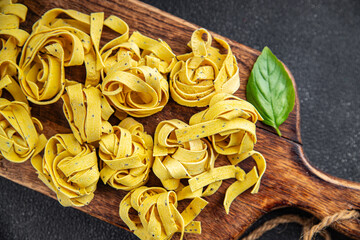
{"x": 288, "y": 181}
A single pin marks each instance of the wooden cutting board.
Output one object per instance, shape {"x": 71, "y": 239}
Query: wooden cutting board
{"x": 288, "y": 181}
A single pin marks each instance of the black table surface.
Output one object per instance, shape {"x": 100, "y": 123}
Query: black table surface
{"x": 319, "y": 42}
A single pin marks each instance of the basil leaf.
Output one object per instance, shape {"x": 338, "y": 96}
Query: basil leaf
{"x": 270, "y": 89}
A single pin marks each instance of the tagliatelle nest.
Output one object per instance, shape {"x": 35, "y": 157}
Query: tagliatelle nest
{"x": 204, "y": 72}
{"x": 136, "y": 70}
{"x": 158, "y": 217}
{"x": 19, "y": 138}
{"x": 69, "y": 169}
{"x": 87, "y": 112}
{"x": 175, "y": 161}
{"x": 126, "y": 155}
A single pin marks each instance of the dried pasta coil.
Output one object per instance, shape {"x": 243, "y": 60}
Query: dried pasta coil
{"x": 11, "y": 40}
{"x": 158, "y": 217}
{"x": 141, "y": 92}
{"x": 126, "y": 155}
{"x": 11, "y": 37}
{"x": 139, "y": 50}
{"x": 87, "y": 112}
{"x": 68, "y": 168}
{"x": 204, "y": 72}
{"x": 154, "y": 54}
{"x": 57, "y": 43}
{"x": 175, "y": 161}
{"x": 122, "y": 57}
{"x": 19, "y": 137}
{"x": 229, "y": 123}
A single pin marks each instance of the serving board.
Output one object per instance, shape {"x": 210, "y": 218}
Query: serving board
{"x": 288, "y": 181}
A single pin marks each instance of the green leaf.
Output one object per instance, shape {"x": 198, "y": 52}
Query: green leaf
{"x": 270, "y": 89}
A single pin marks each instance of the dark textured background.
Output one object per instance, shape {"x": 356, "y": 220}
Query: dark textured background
{"x": 319, "y": 42}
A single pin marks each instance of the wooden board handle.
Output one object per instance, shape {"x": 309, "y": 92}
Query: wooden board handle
{"x": 320, "y": 194}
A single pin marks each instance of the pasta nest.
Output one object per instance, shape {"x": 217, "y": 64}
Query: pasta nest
{"x": 201, "y": 74}
{"x": 138, "y": 50}
{"x": 140, "y": 92}
{"x": 87, "y": 112}
{"x": 174, "y": 160}
{"x": 11, "y": 40}
{"x": 126, "y": 155}
{"x": 19, "y": 132}
{"x": 158, "y": 217}
{"x": 136, "y": 72}
{"x": 229, "y": 123}
{"x": 68, "y": 168}
{"x": 56, "y": 43}
{"x": 11, "y": 37}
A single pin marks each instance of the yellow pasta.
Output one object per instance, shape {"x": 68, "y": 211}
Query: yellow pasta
{"x": 126, "y": 155}
{"x": 87, "y": 112}
{"x": 229, "y": 123}
{"x": 19, "y": 137}
{"x": 56, "y": 43}
{"x": 11, "y": 37}
{"x": 68, "y": 168}
{"x": 8, "y": 80}
{"x": 139, "y": 93}
{"x": 11, "y": 40}
{"x": 175, "y": 161}
{"x": 158, "y": 217}
{"x": 135, "y": 72}
{"x": 252, "y": 178}
{"x": 199, "y": 75}
{"x": 139, "y": 50}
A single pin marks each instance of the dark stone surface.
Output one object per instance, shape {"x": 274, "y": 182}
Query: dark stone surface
{"x": 317, "y": 40}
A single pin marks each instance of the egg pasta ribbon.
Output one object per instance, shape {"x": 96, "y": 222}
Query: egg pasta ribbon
{"x": 134, "y": 76}
{"x": 175, "y": 161}
{"x": 252, "y": 178}
{"x": 56, "y": 43}
{"x": 229, "y": 123}
{"x": 87, "y": 112}
{"x": 11, "y": 37}
{"x": 20, "y": 139}
{"x": 11, "y": 40}
{"x": 68, "y": 168}
{"x": 199, "y": 75}
{"x": 138, "y": 50}
{"x": 8, "y": 80}
{"x": 158, "y": 216}
{"x": 139, "y": 93}
{"x": 126, "y": 155}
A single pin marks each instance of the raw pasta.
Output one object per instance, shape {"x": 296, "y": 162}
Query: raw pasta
{"x": 229, "y": 123}
{"x": 68, "y": 168}
{"x": 175, "y": 161}
{"x": 87, "y": 112}
{"x": 19, "y": 137}
{"x": 126, "y": 155}
{"x": 136, "y": 71}
{"x": 203, "y": 72}
{"x": 139, "y": 93}
{"x": 11, "y": 40}
{"x": 56, "y": 43}
{"x": 158, "y": 217}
